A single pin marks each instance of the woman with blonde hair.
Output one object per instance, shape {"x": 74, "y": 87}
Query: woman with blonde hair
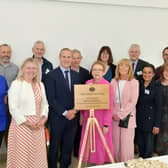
{"x": 125, "y": 89}
{"x": 29, "y": 109}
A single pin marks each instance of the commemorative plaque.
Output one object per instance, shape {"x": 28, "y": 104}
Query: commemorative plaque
{"x": 91, "y": 96}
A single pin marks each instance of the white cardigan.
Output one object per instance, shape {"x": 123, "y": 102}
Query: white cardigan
{"x": 22, "y": 101}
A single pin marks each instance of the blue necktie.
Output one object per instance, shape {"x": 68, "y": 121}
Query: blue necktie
{"x": 66, "y": 78}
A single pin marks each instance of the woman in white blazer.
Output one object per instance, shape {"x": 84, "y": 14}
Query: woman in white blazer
{"x": 29, "y": 109}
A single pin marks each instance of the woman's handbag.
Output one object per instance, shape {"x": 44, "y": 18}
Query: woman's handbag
{"x": 124, "y": 122}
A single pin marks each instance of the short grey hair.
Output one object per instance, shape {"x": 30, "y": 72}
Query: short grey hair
{"x": 39, "y": 42}
{"x": 5, "y": 45}
{"x": 76, "y": 51}
{"x": 135, "y": 46}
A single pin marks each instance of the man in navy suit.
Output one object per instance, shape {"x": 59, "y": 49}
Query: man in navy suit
{"x": 62, "y": 121}
{"x": 84, "y": 76}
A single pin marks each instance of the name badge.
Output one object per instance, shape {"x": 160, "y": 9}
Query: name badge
{"x": 139, "y": 73}
{"x": 47, "y": 70}
{"x": 147, "y": 91}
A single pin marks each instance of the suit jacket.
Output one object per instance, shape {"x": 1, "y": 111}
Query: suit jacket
{"x": 128, "y": 101}
{"x": 149, "y": 106}
{"x": 46, "y": 67}
{"x": 84, "y": 74}
{"x": 139, "y": 68}
{"x": 59, "y": 96}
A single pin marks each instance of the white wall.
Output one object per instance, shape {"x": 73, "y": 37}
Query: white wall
{"x": 83, "y": 26}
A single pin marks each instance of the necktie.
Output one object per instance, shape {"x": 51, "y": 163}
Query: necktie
{"x": 66, "y": 78}
{"x": 133, "y": 66}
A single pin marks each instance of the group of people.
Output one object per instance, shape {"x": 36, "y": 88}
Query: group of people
{"x": 39, "y": 94}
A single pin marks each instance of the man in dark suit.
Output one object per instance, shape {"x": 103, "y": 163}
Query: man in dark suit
{"x": 38, "y": 54}
{"x": 75, "y": 65}
{"x": 84, "y": 76}
{"x": 62, "y": 121}
{"x": 165, "y": 59}
{"x": 137, "y": 64}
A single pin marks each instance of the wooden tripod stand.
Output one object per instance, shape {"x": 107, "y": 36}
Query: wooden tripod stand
{"x": 91, "y": 123}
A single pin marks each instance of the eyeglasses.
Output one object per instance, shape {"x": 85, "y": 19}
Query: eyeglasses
{"x": 97, "y": 70}
{"x": 165, "y": 55}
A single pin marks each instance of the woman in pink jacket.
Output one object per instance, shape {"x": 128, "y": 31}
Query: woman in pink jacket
{"x": 126, "y": 90}
{"x": 104, "y": 118}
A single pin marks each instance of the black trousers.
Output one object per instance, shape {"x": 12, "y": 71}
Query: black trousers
{"x": 145, "y": 143}
{"x": 77, "y": 136}
{"x": 62, "y": 134}
{"x": 1, "y": 136}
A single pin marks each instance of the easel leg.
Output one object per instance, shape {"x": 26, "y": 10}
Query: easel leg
{"x": 104, "y": 141}
{"x": 84, "y": 143}
{"x": 87, "y": 149}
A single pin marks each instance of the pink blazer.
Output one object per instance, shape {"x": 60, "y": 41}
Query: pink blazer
{"x": 129, "y": 99}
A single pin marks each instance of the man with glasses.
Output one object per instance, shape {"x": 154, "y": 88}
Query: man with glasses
{"x": 165, "y": 59}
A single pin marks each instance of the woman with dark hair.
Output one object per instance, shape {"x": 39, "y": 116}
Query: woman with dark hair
{"x": 149, "y": 108}
{"x": 105, "y": 55}
{"x": 162, "y": 139}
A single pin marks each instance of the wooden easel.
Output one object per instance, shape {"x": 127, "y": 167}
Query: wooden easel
{"x": 92, "y": 123}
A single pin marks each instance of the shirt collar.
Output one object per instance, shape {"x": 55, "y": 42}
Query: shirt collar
{"x": 135, "y": 61}
{"x": 63, "y": 69}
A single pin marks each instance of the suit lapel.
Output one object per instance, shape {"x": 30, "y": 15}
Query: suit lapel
{"x": 138, "y": 67}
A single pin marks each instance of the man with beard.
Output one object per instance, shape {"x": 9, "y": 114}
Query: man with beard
{"x": 7, "y": 69}
{"x": 165, "y": 59}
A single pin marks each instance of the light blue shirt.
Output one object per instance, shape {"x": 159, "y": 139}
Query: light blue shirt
{"x": 69, "y": 79}
{"x": 69, "y": 76}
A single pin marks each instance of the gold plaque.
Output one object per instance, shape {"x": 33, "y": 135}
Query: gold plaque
{"x": 92, "y": 96}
